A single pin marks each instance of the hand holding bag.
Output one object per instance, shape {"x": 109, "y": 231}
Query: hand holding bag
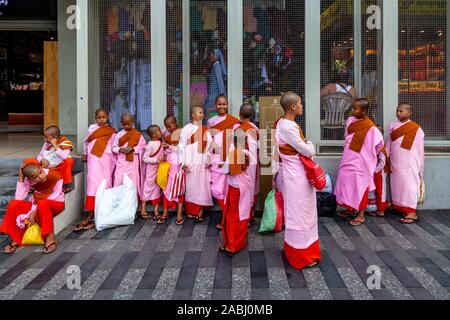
{"x": 32, "y": 236}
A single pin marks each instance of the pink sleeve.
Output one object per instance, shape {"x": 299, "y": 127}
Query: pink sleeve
{"x": 421, "y": 152}
{"x": 148, "y": 151}
{"x": 57, "y": 194}
{"x": 22, "y": 190}
{"x": 141, "y": 146}
{"x": 41, "y": 153}
{"x": 85, "y": 144}
{"x": 115, "y": 147}
{"x": 63, "y": 154}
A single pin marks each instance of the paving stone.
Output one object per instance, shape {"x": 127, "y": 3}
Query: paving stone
{"x": 427, "y": 238}
{"x": 166, "y": 284}
{"x": 441, "y": 276}
{"x": 329, "y": 272}
{"x": 429, "y": 283}
{"x": 398, "y": 269}
{"x": 294, "y": 277}
{"x": 369, "y": 238}
{"x": 340, "y": 294}
{"x": 182, "y": 294}
{"x": 154, "y": 270}
{"x": 420, "y": 294}
{"x": 356, "y": 287}
{"x": 258, "y": 270}
{"x": 142, "y": 295}
{"x": 25, "y": 295}
{"x": 187, "y": 229}
{"x": 18, "y": 269}
{"x": 198, "y": 237}
{"x": 186, "y": 279}
{"x": 223, "y": 277}
{"x": 208, "y": 258}
{"x": 241, "y": 288}
{"x": 397, "y": 236}
{"x": 337, "y": 233}
{"x": 204, "y": 283}
{"x": 118, "y": 233}
{"x": 91, "y": 285}
{"x": 272, "y": 253}
{"x": 118, "y": 272}
{"x": 52, "y": 287}
{"x": 18, "y": 284}
{"x": 316, "y": 284}
{"x": 241, "y": 260}
{"x": 279, "y": 286}
{"x": 129, "y": 284}
{"x": 300, "y": 294}
{"x": 260, "y": 294}
{"x": 170, "y": 237}
{"x": 221, "y": 294}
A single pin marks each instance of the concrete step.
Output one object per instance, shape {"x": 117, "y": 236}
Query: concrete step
{"x": 6, "y": 195}
{"x": 8, "y": 179}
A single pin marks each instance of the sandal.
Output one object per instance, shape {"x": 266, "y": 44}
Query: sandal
{"x": 162, "y": 220}
{"x": 409, "y": 220}
{"x": 144, "y": 216}
{"x": 89, "y": 225}
{"x": 355, "y": 223}
{"x": 198, "y": 219}
{"x": 376, "y": 214}
{"x": 68, "y": 188}
{"x": 346, "y": 214}
{"x": 13, "y": 248}
{"x": 219, "y": 227}
{"x": 47, "y": 249}
{"x": 82, "y": 226}
{"x": 313, "y": 265}
{"x": 179, "y": 222}
{"x": 224, "y": 251}
{"x": 190, "y": 216}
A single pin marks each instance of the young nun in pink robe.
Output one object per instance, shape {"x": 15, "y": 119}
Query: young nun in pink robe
{"x": 195, "y": 142}
{"x": 221, "y": 126}
{"x": 171, "y": 141}
{"x": 100, "y": 159}
{"x": 363, "y": 142}
{"x": 406, "y": 142}
{"x": 129, "y": 146}
{"x": 241, "y": 166}
{"x": 301, "y": 237}
{"x": 153, "y": 156}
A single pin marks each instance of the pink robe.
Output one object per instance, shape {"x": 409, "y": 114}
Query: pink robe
{"x": 407, "y": 167}
{"x": 219, "y": 181}
{"x": 255, "y": 150}
{"x": 98, "y": 169}
{"x": 172, "y": 158}
{"x": 150, "y": 189}
{"x": 198, "y": 180}
{"x": 131, "y": 169}
{"x": 299, "y": 197}
{"x": 356, "y": 170}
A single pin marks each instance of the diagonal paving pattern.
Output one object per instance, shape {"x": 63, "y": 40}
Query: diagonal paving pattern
{"x": 163, "y": 262}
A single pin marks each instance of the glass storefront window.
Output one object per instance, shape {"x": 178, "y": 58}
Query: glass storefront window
{"x": 422, "y": 65}
{"x": 337, "y": 69}
{"x": 120, "y": 55}
{"x": 208, "y": 50}
{"x": 274, "y": 50}
{"x": 174, "y": 42}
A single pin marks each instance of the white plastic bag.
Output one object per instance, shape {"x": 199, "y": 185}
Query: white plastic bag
{"x": 329, "y": 186}
{"x": 116, "y": 206}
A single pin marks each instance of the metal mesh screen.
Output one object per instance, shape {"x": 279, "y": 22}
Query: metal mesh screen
{"x": 120, "y": 59}
{"x": 208, "y": 49}
{"x": 422, "y": 64}
{"x": 274, "y": 50}
{"x": 337, "y": 69}
{"x": 174, "y": 59}
{"x": 371, "y": 62}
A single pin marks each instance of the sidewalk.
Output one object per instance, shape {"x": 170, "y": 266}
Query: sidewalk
{"x": 146, "y": 261}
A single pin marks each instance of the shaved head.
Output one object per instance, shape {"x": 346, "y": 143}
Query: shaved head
{"x": 246, "y": 111}
{"x": 53, "y": 131}
{"x": 30, "y": 170}
{"x": 363, "y": 104}
{"x": 289, "y": 99}
{"x": 170, "y": 119}
{"x": 195, "y": 108}
{"x": 405, "y": 106}
{"x": 127, "y": 116}
{"x": 152, "y": 130}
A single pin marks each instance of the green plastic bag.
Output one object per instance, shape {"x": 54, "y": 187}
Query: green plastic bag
{"x": 273, "y": 213}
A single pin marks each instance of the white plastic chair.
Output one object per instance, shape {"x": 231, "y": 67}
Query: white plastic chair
{"x": 334, "y": 110}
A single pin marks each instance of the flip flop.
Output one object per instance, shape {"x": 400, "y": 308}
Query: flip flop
{"x": 409, "y": 220}
{"x": 198, "y": 219}
{"x": 224, "y": 251}
{"x": 219, "y": 227}
{"x": 162, "y": 220}
{"x": 13, "y": 248}
{"x": 346, "y": 214}
{"x": 46, "y": 249}
{"x": 179, "y": 222}
{"x": 89, "y": 225}
{"x": 376, "y": 214}
{"x": 354, "y": 223}
{"x": 313, "y": 265}
{"x": 144, "y": 216}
